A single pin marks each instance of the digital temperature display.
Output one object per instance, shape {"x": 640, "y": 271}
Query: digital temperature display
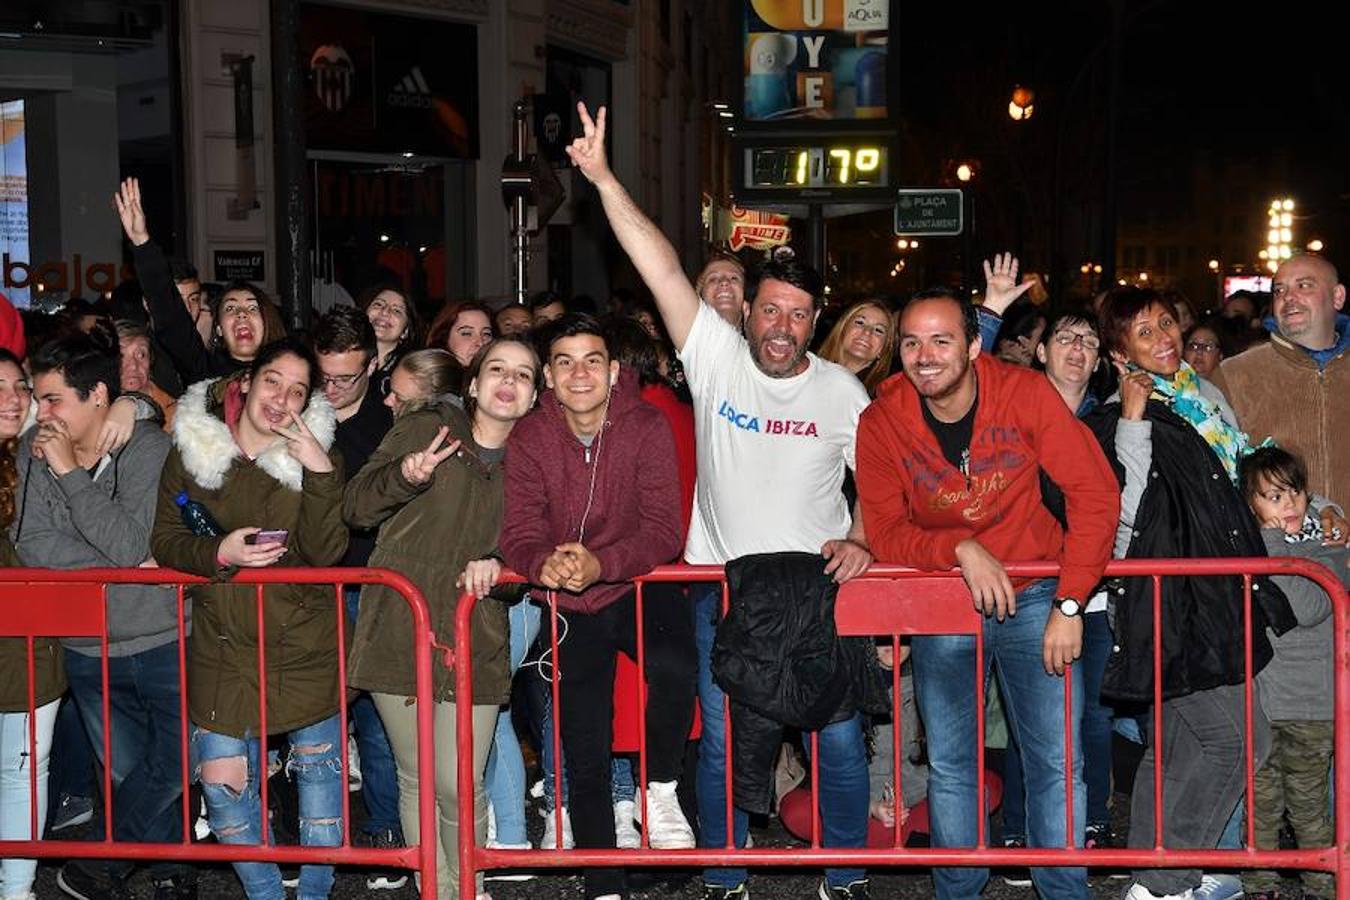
{"x": 832, "y": 166}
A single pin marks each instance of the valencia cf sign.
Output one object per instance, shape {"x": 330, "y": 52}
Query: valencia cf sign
{"x": 389, "y": 84}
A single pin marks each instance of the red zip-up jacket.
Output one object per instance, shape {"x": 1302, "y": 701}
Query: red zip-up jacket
{"x": 917, "y": 506}
{"x": 633, "y": 523}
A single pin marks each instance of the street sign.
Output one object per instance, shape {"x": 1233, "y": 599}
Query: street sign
{"x": 928, "y": 212}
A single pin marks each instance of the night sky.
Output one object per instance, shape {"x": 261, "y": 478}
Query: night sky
{"x": 1196, "y": 75}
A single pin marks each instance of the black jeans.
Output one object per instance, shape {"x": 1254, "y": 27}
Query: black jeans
{"x": 586, "y": 660}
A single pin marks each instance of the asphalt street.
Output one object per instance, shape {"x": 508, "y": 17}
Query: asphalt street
{"x": 219, "y": 882}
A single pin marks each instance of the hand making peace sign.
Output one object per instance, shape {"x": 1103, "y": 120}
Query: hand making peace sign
{"x": 588, "y": 151}
{"x": 304, "y": 447}
{"x": 419, "y": 466}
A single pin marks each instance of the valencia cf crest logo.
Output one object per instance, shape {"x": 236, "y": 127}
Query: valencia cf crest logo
{"x": 331, "y": 71}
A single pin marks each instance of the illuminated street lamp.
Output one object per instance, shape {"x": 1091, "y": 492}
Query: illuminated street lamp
{"x": 1214, "y": 265}
{"x": 1316, "y": 245}
{"x": 1022, "y": 104}
{"x": 965, "y": 172}
{"x": 1280, "y": 237}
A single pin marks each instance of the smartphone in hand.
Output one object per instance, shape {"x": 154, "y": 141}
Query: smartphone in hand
{"x": 278, "y": 536}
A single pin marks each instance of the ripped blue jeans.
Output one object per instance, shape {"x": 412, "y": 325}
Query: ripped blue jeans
{"x": 234, "y": 804}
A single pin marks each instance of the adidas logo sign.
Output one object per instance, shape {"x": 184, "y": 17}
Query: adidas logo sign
{"x": 412, "y": 92}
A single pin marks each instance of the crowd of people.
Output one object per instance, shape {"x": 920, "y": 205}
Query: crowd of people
{"x": 183, "y": 428}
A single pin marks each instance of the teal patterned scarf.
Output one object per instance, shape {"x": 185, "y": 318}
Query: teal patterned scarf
{"x": 1182, "y": 394}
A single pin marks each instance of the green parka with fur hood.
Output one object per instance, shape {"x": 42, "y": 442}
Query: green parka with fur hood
{"x": 272, "y": 492}
{"x": 428, "y": 532}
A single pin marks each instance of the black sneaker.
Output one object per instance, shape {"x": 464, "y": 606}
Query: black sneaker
{"x": 1016, "y": 877}
{"x": 857, "y": 890}
{"x": 72, "y": 811}
{"x": 180, "y": 888}
{"x": 1098, "y": 837}
{"x": 717, "y": 892}
{"x": 85, "y": 881}
{"x": 383, "y": 879}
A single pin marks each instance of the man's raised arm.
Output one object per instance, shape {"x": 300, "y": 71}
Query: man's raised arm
{"x": 646, "y": 246}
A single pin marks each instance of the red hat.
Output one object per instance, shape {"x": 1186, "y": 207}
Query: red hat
{"x": 11, "y": 329}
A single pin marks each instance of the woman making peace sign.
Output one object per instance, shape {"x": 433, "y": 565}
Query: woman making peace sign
{"x": 434, "y": 488}
{"x": 254, "y": 450}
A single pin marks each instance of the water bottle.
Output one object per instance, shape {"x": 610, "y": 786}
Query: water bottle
{"x": 197, "y": 517}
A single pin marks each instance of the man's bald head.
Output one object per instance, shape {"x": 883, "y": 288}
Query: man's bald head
{"x": 1307, "y": 294}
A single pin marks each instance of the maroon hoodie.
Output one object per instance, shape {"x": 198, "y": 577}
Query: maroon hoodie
{"x": 634, "y": 520}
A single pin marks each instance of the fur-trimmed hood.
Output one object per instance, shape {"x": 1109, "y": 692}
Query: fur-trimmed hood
{"x": 207, "y": 446}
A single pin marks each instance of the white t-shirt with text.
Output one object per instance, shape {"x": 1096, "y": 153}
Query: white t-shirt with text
{"x": 771, "y": 451}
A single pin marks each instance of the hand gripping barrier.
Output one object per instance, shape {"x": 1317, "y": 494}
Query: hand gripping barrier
{"x": 45, "y": 603}
{"x": 896, "y": 601}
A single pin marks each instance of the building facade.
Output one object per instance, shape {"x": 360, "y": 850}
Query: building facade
{"x": 407, "y": 116}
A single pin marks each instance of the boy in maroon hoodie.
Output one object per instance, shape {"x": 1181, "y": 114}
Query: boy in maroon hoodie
{"x": 592, "y": 501}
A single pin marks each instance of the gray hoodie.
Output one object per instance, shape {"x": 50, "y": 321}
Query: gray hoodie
{"x": 82, "y": 521}
{"x": 1299, "y": 683}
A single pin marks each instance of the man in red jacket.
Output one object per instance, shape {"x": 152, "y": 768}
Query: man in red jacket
{"x": 949, "y": 457}
{"x": 592, "y": 501}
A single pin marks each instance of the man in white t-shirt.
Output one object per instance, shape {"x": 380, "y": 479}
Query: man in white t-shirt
{"x": 775, "y": 431}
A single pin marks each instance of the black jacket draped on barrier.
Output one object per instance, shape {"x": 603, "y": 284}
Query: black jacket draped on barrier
{"x": 1190, "y": 508}
{"x": 781, "y": 663}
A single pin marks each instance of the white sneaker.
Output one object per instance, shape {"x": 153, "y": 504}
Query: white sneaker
{"x": 1138, "y": 892}
{"x": 626, "y": 835}
{"x": 353, "y": 765}
{"x": 550, "y": 841}
{"x": 667, "y": 828}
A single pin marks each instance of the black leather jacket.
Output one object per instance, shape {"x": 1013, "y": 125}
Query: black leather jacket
{"x": 781, "y": 663}
{"x": 1190, "y": 508}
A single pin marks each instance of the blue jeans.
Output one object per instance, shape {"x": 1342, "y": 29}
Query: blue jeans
{"x": 72, "y": 767}
{"x": 146, "y": 767}
{"x": 1096, "y": 727}
{"x": 944, "y": 668}
{"x": 505, "y": 777}
{"x": 843, "y": 765}
{"x": 379, "y": 781}
{"x": 235, "y": 815}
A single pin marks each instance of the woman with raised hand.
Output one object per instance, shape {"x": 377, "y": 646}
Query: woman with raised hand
{"x": 254, "y": 453}
{"x": 434, "y": 490}
{"x": 245, "y": 318}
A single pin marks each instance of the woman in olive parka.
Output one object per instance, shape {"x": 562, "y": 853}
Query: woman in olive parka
{"x": 255, "y": 449}
{"x": 434, "y": 488}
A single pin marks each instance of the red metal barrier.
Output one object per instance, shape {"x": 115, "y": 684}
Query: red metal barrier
{"x": 897, "y": 601}
{"x": 49, "y": 603}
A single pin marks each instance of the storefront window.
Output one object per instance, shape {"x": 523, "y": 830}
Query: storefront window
{"x": 391, "y": 127}
{"x": 66, "y": 140}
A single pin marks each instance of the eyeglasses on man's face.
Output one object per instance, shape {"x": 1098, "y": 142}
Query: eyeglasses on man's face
{"x": 339, "y": 381}
{"x": 1069, "y": 338}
